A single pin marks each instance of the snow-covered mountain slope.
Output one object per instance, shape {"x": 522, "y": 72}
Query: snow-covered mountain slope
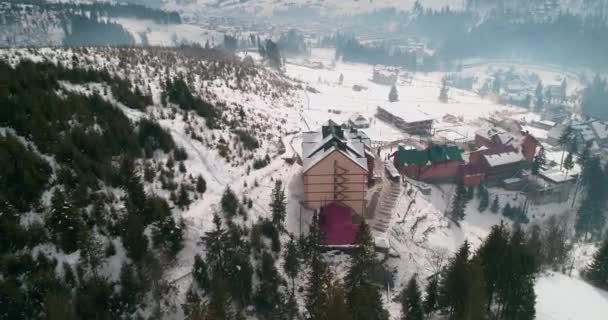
{"x": 255, "y": 104}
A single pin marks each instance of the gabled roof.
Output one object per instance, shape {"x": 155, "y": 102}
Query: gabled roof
{"x": 317, "y": 145}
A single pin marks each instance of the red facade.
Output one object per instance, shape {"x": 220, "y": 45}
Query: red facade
{"x": 436, "y": 172}
{"x": 528, "y": 147}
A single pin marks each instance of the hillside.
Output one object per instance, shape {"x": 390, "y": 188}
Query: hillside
{"x": 126, "y": 154}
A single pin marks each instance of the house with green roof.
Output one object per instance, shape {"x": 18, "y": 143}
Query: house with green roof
{"x": 436, "y": 163}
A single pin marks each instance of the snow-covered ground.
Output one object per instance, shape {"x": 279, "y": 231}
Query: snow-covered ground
{"x": 560, "y": 297}
{"x": 417, "y": 99}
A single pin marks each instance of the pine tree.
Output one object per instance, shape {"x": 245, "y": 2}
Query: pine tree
{"x": 484, "y": 198}
{"x": 459, "y": 203}
{"x": 564, "y": 140}
{"x": 564, "y": 90}
{"x": 316, "y": 296}
{"x": 337, "y": 308}
{"x": 535, "y": 244}
{"x": 278, "y": 205}
{"x": 568, "y": 163}
{"x": 220, "y": 301}
{"x": 90, "y": 250}
{"x": 591, "y": 219}
{"x": 495, "y": 205}
{"x": 475, "y": 307}
{"x": 411, "y": 301}
{"x": 555, "y": 240}
{"x": 539, "y": 161}
{"x": 268, "y": 300}
{"x": 132, "y": 289}
{"x": 63, "y": 222}
{"x": 315, "y": 238}
{"x": 584, "y": 155}
{"x": 507, "y": 211}
{"x": 169, "y": 235}
{"x": 201, "y": 185}
{"x": 214, "y": 243}
{"x": 363, "y": 297}
{"x": 492, "y": 255}
{"x": 515, "y": 294}
{"x": 133, "y": 237}
{"x": 597, "y": 272}
{"x": 183, "y": 198}
{"x": 431, "y": 296}
{"x": 454, "y": 283}
{"x": 470, "y": 193}
{"x": 200, "y": 273}
{"x": 393, "y": 95}
{"x": 59, "y": 306}
{"x": 539, "y": 102}
{"x": 291, "y": 263}
{"x": 230, "y": 203}
{"x": 443, "y": 92}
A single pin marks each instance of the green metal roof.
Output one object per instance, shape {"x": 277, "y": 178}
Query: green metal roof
{"x": 433, "y": 154}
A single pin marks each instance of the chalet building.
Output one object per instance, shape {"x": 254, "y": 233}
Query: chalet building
{"x": 555, "y": 186}
{"x": 543, "y": 124}
{"x": 385, "y": 75}
{"x": 357, "y": 121}
{"x": 437, "y": 163}
{"x": 417, "y": 123}
{"x": 591, "y": 131}
{"x": 492, "y": 137}
{"x": 337, "y": 165}
{"x": 500, "y": 166}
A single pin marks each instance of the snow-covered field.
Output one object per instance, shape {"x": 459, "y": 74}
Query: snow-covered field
{"x": 417, "y": 99}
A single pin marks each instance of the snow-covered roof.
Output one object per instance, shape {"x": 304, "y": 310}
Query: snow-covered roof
{"x": 548, "y": 123}
{"x": 390, "y": 167}
{"x": 504, "y": 137}
{"x": 600, "y": 129}
{"x": 512, "y": 180}
{"x": 408, "y": 114}
{"x": 315, "y": 147}
{"x": 487, "y": 132}
{"x": 556, "y": 175}
{"x": 556, "y": 132}
{"x": 500, "y": 159}
{"x": 358, "y": 119}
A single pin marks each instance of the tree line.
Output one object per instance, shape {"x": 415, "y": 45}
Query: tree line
{"x": 107, "y": 9}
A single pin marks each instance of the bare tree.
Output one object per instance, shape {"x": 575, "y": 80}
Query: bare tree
{"x": 436, "y": 259}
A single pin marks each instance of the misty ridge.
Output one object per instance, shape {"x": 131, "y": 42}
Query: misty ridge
{"x": 536, "y": 30}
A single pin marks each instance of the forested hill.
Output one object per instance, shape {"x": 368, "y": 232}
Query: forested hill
{"x": 103, "y": 154}
{"x": 38, "y": 23}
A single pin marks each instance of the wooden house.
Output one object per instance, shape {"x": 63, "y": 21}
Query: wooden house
{"x": 437, "y": 163}
{"x": 337, "y": 165}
